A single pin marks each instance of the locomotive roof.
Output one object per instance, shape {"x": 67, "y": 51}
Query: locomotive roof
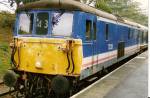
{"x": 74, "y": 5}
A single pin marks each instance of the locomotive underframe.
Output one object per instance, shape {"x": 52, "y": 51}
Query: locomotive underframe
{"x": 32, "y": 85}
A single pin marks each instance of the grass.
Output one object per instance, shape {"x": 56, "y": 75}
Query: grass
{"x": 5, "y": 51}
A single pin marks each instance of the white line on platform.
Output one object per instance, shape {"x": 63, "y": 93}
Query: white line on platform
{"x": 75, "y": 96}
{"x": 141, "y": 57}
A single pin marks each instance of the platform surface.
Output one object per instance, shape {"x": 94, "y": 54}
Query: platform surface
{"x": 128, "y": 81}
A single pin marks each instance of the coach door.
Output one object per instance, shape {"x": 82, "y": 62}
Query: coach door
{"x": 121, "y": 46}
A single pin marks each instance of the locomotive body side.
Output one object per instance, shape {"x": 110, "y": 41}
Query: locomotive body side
{"x": 105, "y": 42}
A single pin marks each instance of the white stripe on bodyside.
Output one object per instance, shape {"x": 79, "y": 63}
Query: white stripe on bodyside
{"x": 115, "y": 22}
{"x": 99, "y": 57}
{"x": 132, "y": 48}
{"x": 105, "y": 56}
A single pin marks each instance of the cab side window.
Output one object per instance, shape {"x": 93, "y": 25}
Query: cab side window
{"x": 88, "y": 30}
{"x": 95, "y": 30}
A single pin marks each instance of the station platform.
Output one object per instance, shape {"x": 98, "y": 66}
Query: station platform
{"x": 128, "y": 81}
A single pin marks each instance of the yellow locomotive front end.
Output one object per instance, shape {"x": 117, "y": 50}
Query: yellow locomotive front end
{"x": 45, "y": 55}
{"x": 44, "y": 44}
{"x": 53, "y": 56}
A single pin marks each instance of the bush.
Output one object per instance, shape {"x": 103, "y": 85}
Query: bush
{"x": 7, "y": 19}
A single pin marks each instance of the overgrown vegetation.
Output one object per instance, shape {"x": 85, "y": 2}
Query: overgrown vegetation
{"x": 6, "y": 19}
{"x": 6, "y": 24}
{"x": 127, "y": 9}
{"x": 102, "y": 5}
{"x": 4, "y": 57}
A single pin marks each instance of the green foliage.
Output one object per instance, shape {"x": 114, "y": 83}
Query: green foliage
{"x": 6, "y": 22}
{"x": 6, "y": 19}
{"x": 4, "y": 47}
{"x": 4, "y": 58}
{"x": 100, "y": 4}
{"x": 124, "y": 8}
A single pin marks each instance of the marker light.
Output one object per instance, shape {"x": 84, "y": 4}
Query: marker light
{"x": 38, "y": 65}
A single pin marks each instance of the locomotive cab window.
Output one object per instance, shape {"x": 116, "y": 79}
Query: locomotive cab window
{"x": 26, "y": 23}
{"x": 88, "y": 29}
{"x": 107, "y": 32}
{"x": 42, "y": 23}
{"x": 94, "y": 28}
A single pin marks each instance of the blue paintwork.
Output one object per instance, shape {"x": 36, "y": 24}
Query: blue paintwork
{"x": 117, "y": 32}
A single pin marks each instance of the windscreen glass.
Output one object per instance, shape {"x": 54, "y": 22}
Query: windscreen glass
{"x": 55, "y": 23}
{"x": 62, "y": 23}
{"x": 42, "y": 23}
{"x": 26, "y": 23}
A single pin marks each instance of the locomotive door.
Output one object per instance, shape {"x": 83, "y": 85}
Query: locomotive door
{"x": 95, "y": 52}
{"x": 90, "y": 49}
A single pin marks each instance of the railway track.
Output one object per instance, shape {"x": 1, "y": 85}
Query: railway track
{"x": 5, "y": 92}
{"x": 1, "y": 83}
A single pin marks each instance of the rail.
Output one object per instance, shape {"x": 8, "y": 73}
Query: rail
{"x": 6, "y": 92}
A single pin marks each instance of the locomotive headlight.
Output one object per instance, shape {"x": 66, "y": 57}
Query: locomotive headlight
{"x": 38, "y": 65}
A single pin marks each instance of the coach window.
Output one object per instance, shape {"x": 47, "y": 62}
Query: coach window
{"x": 129, "y": 33}
{"x": 138, "y": 34}
{"x": 88, "y": 29}
{"x": 107, "y": 32}
{"x": 94, "y": 28}
{"x": 42, "y": 23}
{"x": 135, "y": 33}
{"x": 142, "y": 36}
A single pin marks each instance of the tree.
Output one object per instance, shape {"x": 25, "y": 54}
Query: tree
{"x": 123, "y": 8}
{"x": 6, "y": 19}
{"x": 102, "y": 5}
